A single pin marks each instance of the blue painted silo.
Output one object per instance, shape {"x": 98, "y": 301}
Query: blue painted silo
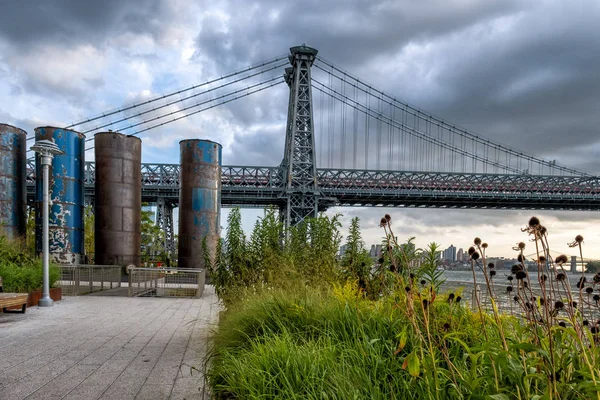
{"x": 66, "y": 196}
{"x": 199, "y": 200}
{"x": 13, "y": 185}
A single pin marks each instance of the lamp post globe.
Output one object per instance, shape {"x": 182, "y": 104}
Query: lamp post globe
{"x": 46, "y": 150}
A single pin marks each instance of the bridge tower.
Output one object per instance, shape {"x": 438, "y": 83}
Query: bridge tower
{"x": 300, "y": 170}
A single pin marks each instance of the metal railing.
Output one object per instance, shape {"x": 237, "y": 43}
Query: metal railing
{"x": 166, "y": 282}
{"x": 81, "y": 279}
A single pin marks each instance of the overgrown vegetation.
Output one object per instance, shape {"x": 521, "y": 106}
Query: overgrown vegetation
{"x": 385, "y": 329}
{"x": 20, "y": 270}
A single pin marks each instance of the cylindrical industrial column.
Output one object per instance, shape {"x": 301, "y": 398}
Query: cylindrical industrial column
{"x": 66, "y": 196}
{"x": 118, "y": 199}
{"x": 199, "y": 200}
{"x": 13, "y": 185}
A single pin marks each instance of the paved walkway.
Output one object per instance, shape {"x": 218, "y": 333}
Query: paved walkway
{"x": 102, "y": 347}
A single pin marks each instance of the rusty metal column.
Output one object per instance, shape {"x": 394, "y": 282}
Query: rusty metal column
{"x": 199, "y": 200}
{"x": 13, "y": 184}
{"x": 118, "y": 202}
{"x": 66, "y": 195}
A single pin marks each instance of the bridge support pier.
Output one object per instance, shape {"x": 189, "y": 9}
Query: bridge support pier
{"x": 164, "y": 220}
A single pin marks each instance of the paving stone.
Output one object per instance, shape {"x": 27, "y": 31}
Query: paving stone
{"x": 93, "y": 347}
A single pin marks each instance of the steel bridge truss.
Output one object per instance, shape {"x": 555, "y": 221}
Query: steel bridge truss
{"x": 248, "y": 186}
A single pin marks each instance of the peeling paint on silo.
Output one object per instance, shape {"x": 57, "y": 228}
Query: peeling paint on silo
{"x": 199, "y": 200}
{"x": 118, "y": 201}
{"x": 66, "y": 228}
{"x": 13, "y": 185}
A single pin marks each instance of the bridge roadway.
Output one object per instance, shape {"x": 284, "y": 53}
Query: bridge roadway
{"x": 260, "y": 186}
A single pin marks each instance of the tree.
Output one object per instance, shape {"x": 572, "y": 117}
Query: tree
{"x": 592, "y": 267}
{"x": 153, "y": 238}
{"x": 89, "y": 232}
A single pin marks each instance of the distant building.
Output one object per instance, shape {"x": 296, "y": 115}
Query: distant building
{"x": 449, "y": 254}
{"x": 460, "y": 255}
{"x": 343, "y": 249}
{"x": 375, "y": 251}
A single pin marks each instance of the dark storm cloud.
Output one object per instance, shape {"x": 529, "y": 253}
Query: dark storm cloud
{"x": 35, "y": 23}
{"x": 346, "y": 31}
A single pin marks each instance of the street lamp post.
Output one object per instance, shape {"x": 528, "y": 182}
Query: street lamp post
{"x": 47, "y": 150}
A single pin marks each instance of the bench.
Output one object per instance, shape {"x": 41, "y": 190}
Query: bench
{"x": 12, "y": 300}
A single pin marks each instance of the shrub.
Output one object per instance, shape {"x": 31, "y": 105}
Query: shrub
{"x": 20, "y": 271}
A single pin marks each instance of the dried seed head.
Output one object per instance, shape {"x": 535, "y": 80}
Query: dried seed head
{"x": 596, "y": 298}
{"x": 516, "y": 298}
{"x": 425, "y": 303}
{"x": 407, "y": 288}
{"x": 383, "y": 222}
{"x": 594, "y": 330}
{"x": 510, "y": 278}
{"x": 586, "y": 322}
{"x": 579, "y": 239}
{"x": 423, "y": 282}
{"x": 477, "y": 241}
{"x": 525, "y": 284}
{"x": 589, "y": 290}
{"x": 561, "y": 323}
{"x": 521, "y": 245}
{"x": 561, "y": 259}
{"x": 521, "y": 258}
{"x": 446, "y": 326}
{"x": 560, "y": 276}
{"x": 596, "y": 278}
{"x": 509, "y": 289}
{"x": 381, "y": 260}
{"x": 515, "y": 268}
{"x": 475, "y": 256}
{"x": 528, "y": 305}
{"x": 491, "y": 265}
{"x": 388, "y": 217}
{"x": 559, "y": 305}
{"x": 484, "y": 245}
{"x": 533, "y": 222}
{"x": 450, "y": 297}
{"x": 543, "y": 278}
{"x": 542, "y": 229}
{"x": 573, "y": 304}
{"x": 542, "y": 259}
{"x": 521, "y": 275}
{"x": 492, "y": 273}
{"x": 542, "y": 302}
{"x": 392, "y": 268}
{"x": 458, "y": 299}
{"x": 471, "y": 250}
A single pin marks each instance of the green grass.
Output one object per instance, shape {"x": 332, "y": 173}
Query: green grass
{"x": 304, "y": 344}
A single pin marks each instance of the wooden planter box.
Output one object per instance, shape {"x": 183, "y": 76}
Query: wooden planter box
{"x": 35, "y": 296}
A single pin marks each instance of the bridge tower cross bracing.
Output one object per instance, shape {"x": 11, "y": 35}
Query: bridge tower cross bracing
{"x": 300, "y": 170}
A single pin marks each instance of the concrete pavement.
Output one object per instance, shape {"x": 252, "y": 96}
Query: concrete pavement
{"x": 103, "y": 347}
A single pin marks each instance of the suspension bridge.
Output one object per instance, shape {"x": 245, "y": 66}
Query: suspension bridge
{"x": 347, "y": 143}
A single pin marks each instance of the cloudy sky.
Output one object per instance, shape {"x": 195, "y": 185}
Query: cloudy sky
{"x": 522, "y": 73}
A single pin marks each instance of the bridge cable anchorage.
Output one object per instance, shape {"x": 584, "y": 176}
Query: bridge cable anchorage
{"x": 274, "y": 82}
{"x": 370, "y": 113}
{"x": 177, "y": 92}
{"x": 193, "y": 106}
{"x": 183, "y": 99}
{"x": 365, "y": 87}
